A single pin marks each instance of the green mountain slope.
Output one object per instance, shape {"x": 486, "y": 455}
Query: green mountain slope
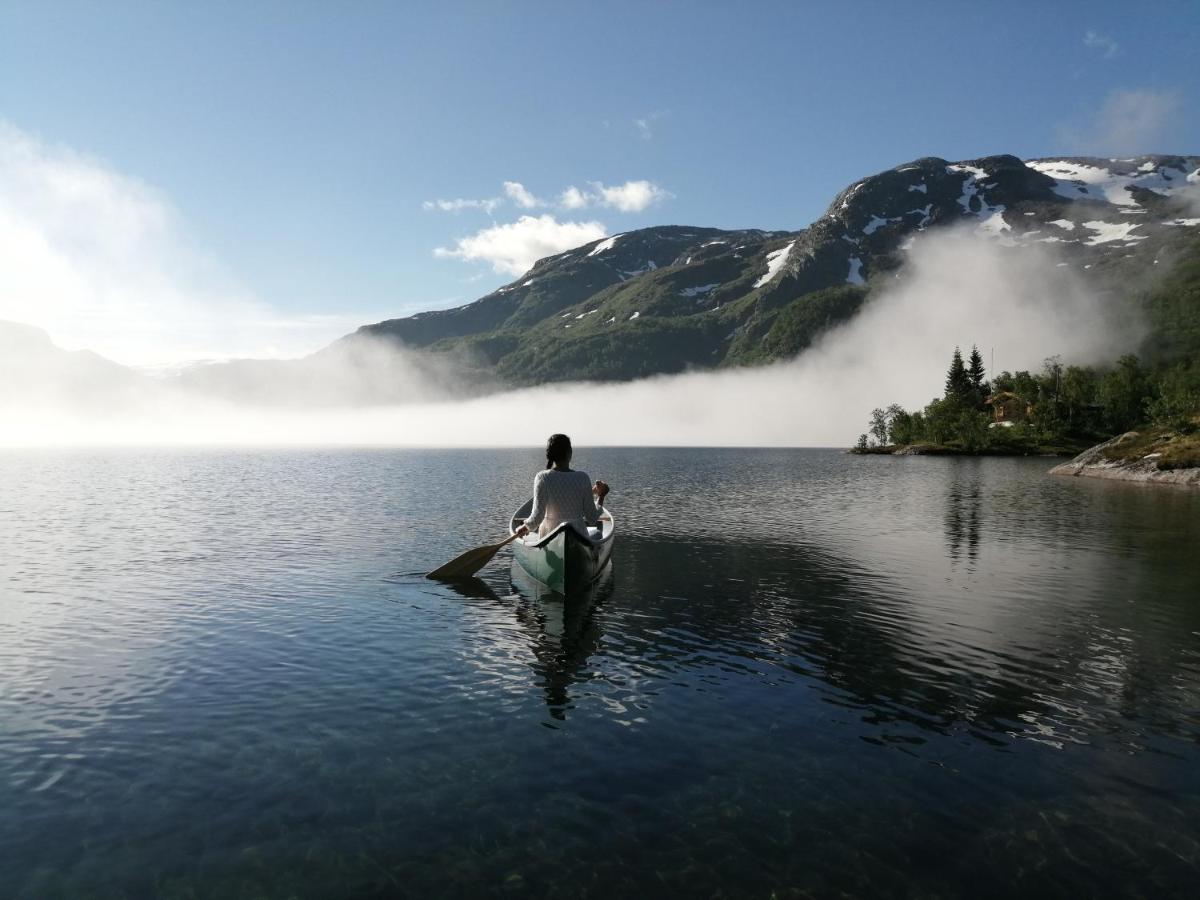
{"x": 667, "y": 299}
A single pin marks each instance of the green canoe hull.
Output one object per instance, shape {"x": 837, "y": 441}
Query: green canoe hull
{"x": 564, "y": 560}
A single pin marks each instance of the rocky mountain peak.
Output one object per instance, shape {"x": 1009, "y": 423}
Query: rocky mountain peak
{"x": 670, "y": 297}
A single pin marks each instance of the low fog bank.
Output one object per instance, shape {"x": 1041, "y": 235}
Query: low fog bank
{"x": 955, "y": 290}
{"x": 356, "y": 371}
{"x": 38, "y": 378}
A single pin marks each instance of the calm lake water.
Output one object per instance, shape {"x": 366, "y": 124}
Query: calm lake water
{"x": 805, "y": 673}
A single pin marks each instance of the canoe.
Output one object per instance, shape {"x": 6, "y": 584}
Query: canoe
{"x": 564, "y": 560}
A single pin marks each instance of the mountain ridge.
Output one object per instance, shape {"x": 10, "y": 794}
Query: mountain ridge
{"x": 679, "y": 297}
{"x": 671, "y": 298}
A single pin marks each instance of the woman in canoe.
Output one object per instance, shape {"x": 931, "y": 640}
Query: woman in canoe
{"x": 562, "y": 494}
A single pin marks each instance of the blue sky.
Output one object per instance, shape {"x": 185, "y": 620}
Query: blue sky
{"x": 294, "y": 147}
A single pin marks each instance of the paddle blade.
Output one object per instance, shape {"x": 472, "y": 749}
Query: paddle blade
{"x": 467, "y": 564}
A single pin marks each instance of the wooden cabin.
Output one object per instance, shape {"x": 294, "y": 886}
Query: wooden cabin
{"x": 1008, "y": 408}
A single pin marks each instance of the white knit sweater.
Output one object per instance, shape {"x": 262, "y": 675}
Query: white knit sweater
{"x": 562, "y": 497}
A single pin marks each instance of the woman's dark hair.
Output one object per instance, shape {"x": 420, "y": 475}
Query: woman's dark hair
{"x": 558, "y": 449}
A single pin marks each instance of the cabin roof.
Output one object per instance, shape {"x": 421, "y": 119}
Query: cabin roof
{"x": 1004, "y": 396}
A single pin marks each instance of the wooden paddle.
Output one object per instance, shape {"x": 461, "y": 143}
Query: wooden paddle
{"x": 467, "y": 564}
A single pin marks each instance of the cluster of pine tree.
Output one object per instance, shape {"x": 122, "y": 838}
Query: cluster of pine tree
{"x": 1057, "y": 408}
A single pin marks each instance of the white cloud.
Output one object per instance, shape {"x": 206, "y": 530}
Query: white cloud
{"x": 520, "y": 196}
{"x": 1108, "y": 47}
{"x": 632, "y": 196}
{"x": 513, "y": 190}
{"x": 514, "y": 247}
{"x": 1130, "y": 122}
{"x": 101, "y": 261}
{"x": 573, "y": 198}
{"x": 488, "y": 206}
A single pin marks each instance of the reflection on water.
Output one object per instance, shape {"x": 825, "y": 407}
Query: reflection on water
{"x": 963, "y": 511}
{"x": 559, "y": 632}
{"x": 803, "y": 673}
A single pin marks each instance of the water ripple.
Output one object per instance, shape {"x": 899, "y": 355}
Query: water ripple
{"x": 804, "y": 671}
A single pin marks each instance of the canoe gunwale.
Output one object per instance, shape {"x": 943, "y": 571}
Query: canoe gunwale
{"x": 607, "y": 528}
{"x": 564, "y": 560}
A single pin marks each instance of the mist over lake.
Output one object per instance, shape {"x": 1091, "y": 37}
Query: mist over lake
{"x": 804, "y": 671}
{"x": 837, "y": 299}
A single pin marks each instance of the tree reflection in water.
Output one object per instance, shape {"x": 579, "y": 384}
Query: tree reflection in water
{"x": 964, "y": 512}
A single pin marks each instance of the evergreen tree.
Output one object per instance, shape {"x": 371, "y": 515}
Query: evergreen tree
{"x": 958, "y": 380}
{"x": 975, "y": 369}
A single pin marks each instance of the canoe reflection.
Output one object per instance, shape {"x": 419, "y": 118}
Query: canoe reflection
{"x": 568, "y": 632}
{"x": 562, "y": 633}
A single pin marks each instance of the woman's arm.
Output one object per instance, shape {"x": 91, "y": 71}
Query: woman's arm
{"x": 539, "y": 503}
{"x": 595, "y": 502}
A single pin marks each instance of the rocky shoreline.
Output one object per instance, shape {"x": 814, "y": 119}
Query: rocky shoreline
{"x": 943, "y": 450}
{"x": 1114, "y": 459}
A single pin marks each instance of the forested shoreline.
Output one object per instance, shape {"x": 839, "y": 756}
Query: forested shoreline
{"x": 1060, "y": 410}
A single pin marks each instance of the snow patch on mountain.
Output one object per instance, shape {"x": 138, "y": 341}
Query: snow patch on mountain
{"x": 926, "y": 215}
{"x": 649, "y": 266}
{"x": 1107, "y": 232}
{"x": 874, "y": 225}
{"x": 697, "y": 291}
{"x": 974, "y": 171}
{"x": 606, "y": 244}
{"x": 855, "y": 276}
{"x": 1077, "y": 181}
{"x": 970, "y": 186}
{"x": 775, "y": 261}
{"x": 991, "y": 220}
